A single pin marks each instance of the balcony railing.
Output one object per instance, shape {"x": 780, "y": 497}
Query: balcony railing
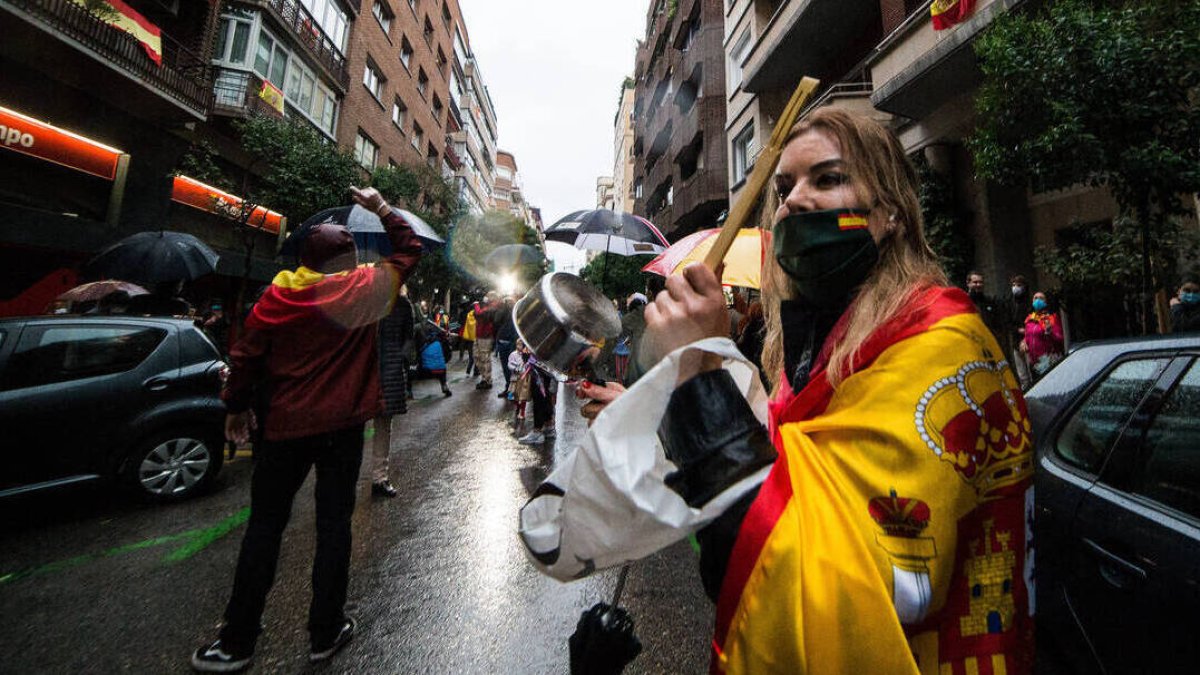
{"x": 183, "y": 75}
{"x": 236, "y": 93}
{"x": 299, "y": 21}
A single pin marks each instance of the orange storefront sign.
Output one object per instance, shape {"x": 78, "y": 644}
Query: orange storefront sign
{"x": 28, "y": 136}
{"x": 198, "y": 195}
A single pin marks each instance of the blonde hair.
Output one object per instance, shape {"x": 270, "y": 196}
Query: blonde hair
{"x": 883, "y": 177}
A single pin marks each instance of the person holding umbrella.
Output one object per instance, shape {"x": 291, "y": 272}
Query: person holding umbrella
{"x": 890, "y": 533}
{"x": 308, "y": 358}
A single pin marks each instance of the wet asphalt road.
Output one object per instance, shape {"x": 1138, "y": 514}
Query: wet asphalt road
{"x": 90, "y": 582}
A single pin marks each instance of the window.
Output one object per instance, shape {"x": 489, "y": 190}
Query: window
{"x": 412, "y": 4}
{"x": 399, "y": 113}
{"x": 446, "y": 18}
{"x": 233, "y": 37}
{"x": 49, "y": 354}
{"x": 428, "y": 31}
{"x": 736, "y": 55}
{"x": 331, "y": 18}
{"x": 1170, "y": 474}
{"x": 365, "y": 150}
{"x": 418, "y": 136}
{"x": 742, "y": 152}
{"x": 441, "y": 61}
{"x": 383, "y": 15}
{"x": 422, "y": 81}
{"x": 1092, "y": 430}
{"x": 373, "y": 80}
{"x": 406, "y": 52}
{"x": 270, "y": 59}
{"x": 637, "y": 189}
{"x": 437, "y": 109}
{"x": 431, "y": 157}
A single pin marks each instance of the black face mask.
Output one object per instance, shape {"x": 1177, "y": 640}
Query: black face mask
{"x": 827, "y": 254}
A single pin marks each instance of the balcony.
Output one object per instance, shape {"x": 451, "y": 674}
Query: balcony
{"x": 818, "y": 38}
{"x": 292, "y": 15}
{"x": 698, "y": 202}
{"x": 88, "y": 49}
{"x": 236, "y": 94}
{"x": 918, "y": 69}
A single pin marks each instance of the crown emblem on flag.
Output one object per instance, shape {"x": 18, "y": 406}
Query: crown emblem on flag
{"x": 975, "y": 421}
{"x": 899, "y": 516}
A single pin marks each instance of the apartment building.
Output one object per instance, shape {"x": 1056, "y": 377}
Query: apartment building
{"x": 509, "y": 191}
{"x": 475, "y": 142}
{"x": 95, "y": 110}
{"x": 605, "y": 194}
{"x": 397, "y": 110}
{"x": 622, "y": 176}
{"x": 679, "y": 178}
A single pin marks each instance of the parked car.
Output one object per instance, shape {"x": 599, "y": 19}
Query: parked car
{"x": 86, "y": 398}
{"x": 1117, "y": 515}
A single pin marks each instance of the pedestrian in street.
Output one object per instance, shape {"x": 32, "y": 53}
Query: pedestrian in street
{"x": 216, "y": 327}
{"x": 1185, "y": 314}
{"x": 466, "y": 339}
{"x": 1019, "y": 307}
{"x": 541, "y": 396}
{"x": 1043, "y": 343}
{"x": 899, "y": 456}
{"x": 737, "y": 312}
{"x": 506, "y": 340}
{"x": 432, "y": 361}
{"x": 395, "y": 343}
{"x": 308, "y": 355}
{"x": 518, "y": 365}
{"x": 485, "y": 331}
{"x": 992, "y": 311}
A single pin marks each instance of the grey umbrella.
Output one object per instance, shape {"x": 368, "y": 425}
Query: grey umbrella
{"x": 366, "y": 227}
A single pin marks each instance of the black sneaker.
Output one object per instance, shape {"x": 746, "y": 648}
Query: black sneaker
{"x": 383, "y": 489}
{"x": 483, "y": 385}
{"x": 447, "y": 393}
{"x": 503, "y": 394}
{"x": 215, "y": 659}
{"x": 322, "y": 652}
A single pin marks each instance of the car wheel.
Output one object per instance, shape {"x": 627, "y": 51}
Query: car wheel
{"x": 174, "y": 465}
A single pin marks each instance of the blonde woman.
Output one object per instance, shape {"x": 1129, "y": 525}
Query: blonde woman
{"x": 890, "y": 535}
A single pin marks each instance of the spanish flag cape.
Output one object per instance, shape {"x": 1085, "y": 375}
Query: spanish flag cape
{"x": 891, "y": 535}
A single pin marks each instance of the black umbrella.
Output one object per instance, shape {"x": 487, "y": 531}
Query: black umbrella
{"x": 366, "y": 227}
{"x": 606, "y": 230}
{"x": 154, "y": 257}
{"x": 512, "y": 255}
{"x": 603, "y": 642}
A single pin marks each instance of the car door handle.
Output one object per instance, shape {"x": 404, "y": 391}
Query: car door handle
{"x": 157, "y": 383}
{"x": 1116, "y": 570}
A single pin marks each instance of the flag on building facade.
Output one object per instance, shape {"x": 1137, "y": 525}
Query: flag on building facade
{"x": 129, "y": 20}
{"x": 947, "y": 13}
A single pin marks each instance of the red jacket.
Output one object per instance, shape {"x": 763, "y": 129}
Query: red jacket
{"x": 485, "y": 322}
{"x": 309, "y": 348}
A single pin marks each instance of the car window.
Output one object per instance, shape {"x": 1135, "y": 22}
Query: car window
{"x": 1170, "y": 451}
{"x": 1093, "y": 428}
{"x": 47, "y": 354}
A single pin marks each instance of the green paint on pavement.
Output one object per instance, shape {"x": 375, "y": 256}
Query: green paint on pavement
{"x": 202, "y": 538}
{"x": 199, "y": 540}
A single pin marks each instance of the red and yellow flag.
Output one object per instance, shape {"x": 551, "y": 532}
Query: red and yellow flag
{"x": 946, "y": 13}
{"x": 129, "y": 20}
{"x": 891, "y": 534}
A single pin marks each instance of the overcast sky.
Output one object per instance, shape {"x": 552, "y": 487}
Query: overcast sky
{"x": 554, "y": 70}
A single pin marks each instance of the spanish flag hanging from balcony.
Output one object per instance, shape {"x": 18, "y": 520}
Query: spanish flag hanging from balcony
{"x": 946, "y": 13}
{"x": 123, "y": 17}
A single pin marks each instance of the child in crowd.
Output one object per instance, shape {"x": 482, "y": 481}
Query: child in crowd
{"x": 519, "y": 365}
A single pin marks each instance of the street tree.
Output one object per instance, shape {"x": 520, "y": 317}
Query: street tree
{"x": 617, "y": 275}
{"x": 1100, "y": 93}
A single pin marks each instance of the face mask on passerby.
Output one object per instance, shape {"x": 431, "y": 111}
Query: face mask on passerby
{"x": 1039, "y": 305}
{"x": 1018, "y": 291}
{"x": 1190, "y": 297}
{"x": 827, "y": 254}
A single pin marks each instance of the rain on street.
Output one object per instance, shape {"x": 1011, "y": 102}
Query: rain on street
{"x": 439, "y": 582}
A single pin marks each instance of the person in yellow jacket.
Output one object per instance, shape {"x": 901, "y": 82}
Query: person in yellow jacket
{"x": 892, "y": 533}
{"x": 466, "y": 339}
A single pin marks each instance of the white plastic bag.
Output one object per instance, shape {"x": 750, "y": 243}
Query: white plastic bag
{"x": 607, "y": 503}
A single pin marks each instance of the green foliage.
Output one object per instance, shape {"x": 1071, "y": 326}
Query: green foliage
{"x": 301, "y": 172}
{"x": 101, "y": 9}
{"x": 200, "y": 162}
{"x": 944, "y": 230}
{"x": 672, "y": 7}
{"x": 1101, "y": 93}
{"x": 617, "y": 275}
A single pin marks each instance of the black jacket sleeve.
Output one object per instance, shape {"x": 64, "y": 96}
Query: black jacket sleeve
{"x": 712, "y": 435}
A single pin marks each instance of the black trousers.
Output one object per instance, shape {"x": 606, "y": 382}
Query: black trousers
{"x": 279, "y": 470}
{"x": 543, "y": 408}
{"x": 504, "y": 348}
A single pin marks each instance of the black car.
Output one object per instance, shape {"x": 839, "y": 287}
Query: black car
{"x": 84, "y": 398}
{"x": 1117, "y": 517}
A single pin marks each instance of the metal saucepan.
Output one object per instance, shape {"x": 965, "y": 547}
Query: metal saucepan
{"x": 565, "y": 321}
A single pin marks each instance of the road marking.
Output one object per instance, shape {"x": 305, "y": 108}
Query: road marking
{"x": 197, "y": 540}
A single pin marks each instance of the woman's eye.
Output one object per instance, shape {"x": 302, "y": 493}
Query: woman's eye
{"x": 832, "y": 180}
{"x": 783, "y": 189}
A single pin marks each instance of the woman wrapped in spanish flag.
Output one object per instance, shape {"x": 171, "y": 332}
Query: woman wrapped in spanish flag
{"x": 892, "y": 533}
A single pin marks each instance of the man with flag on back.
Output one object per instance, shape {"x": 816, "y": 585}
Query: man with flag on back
{"x": 308, "y": 365}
